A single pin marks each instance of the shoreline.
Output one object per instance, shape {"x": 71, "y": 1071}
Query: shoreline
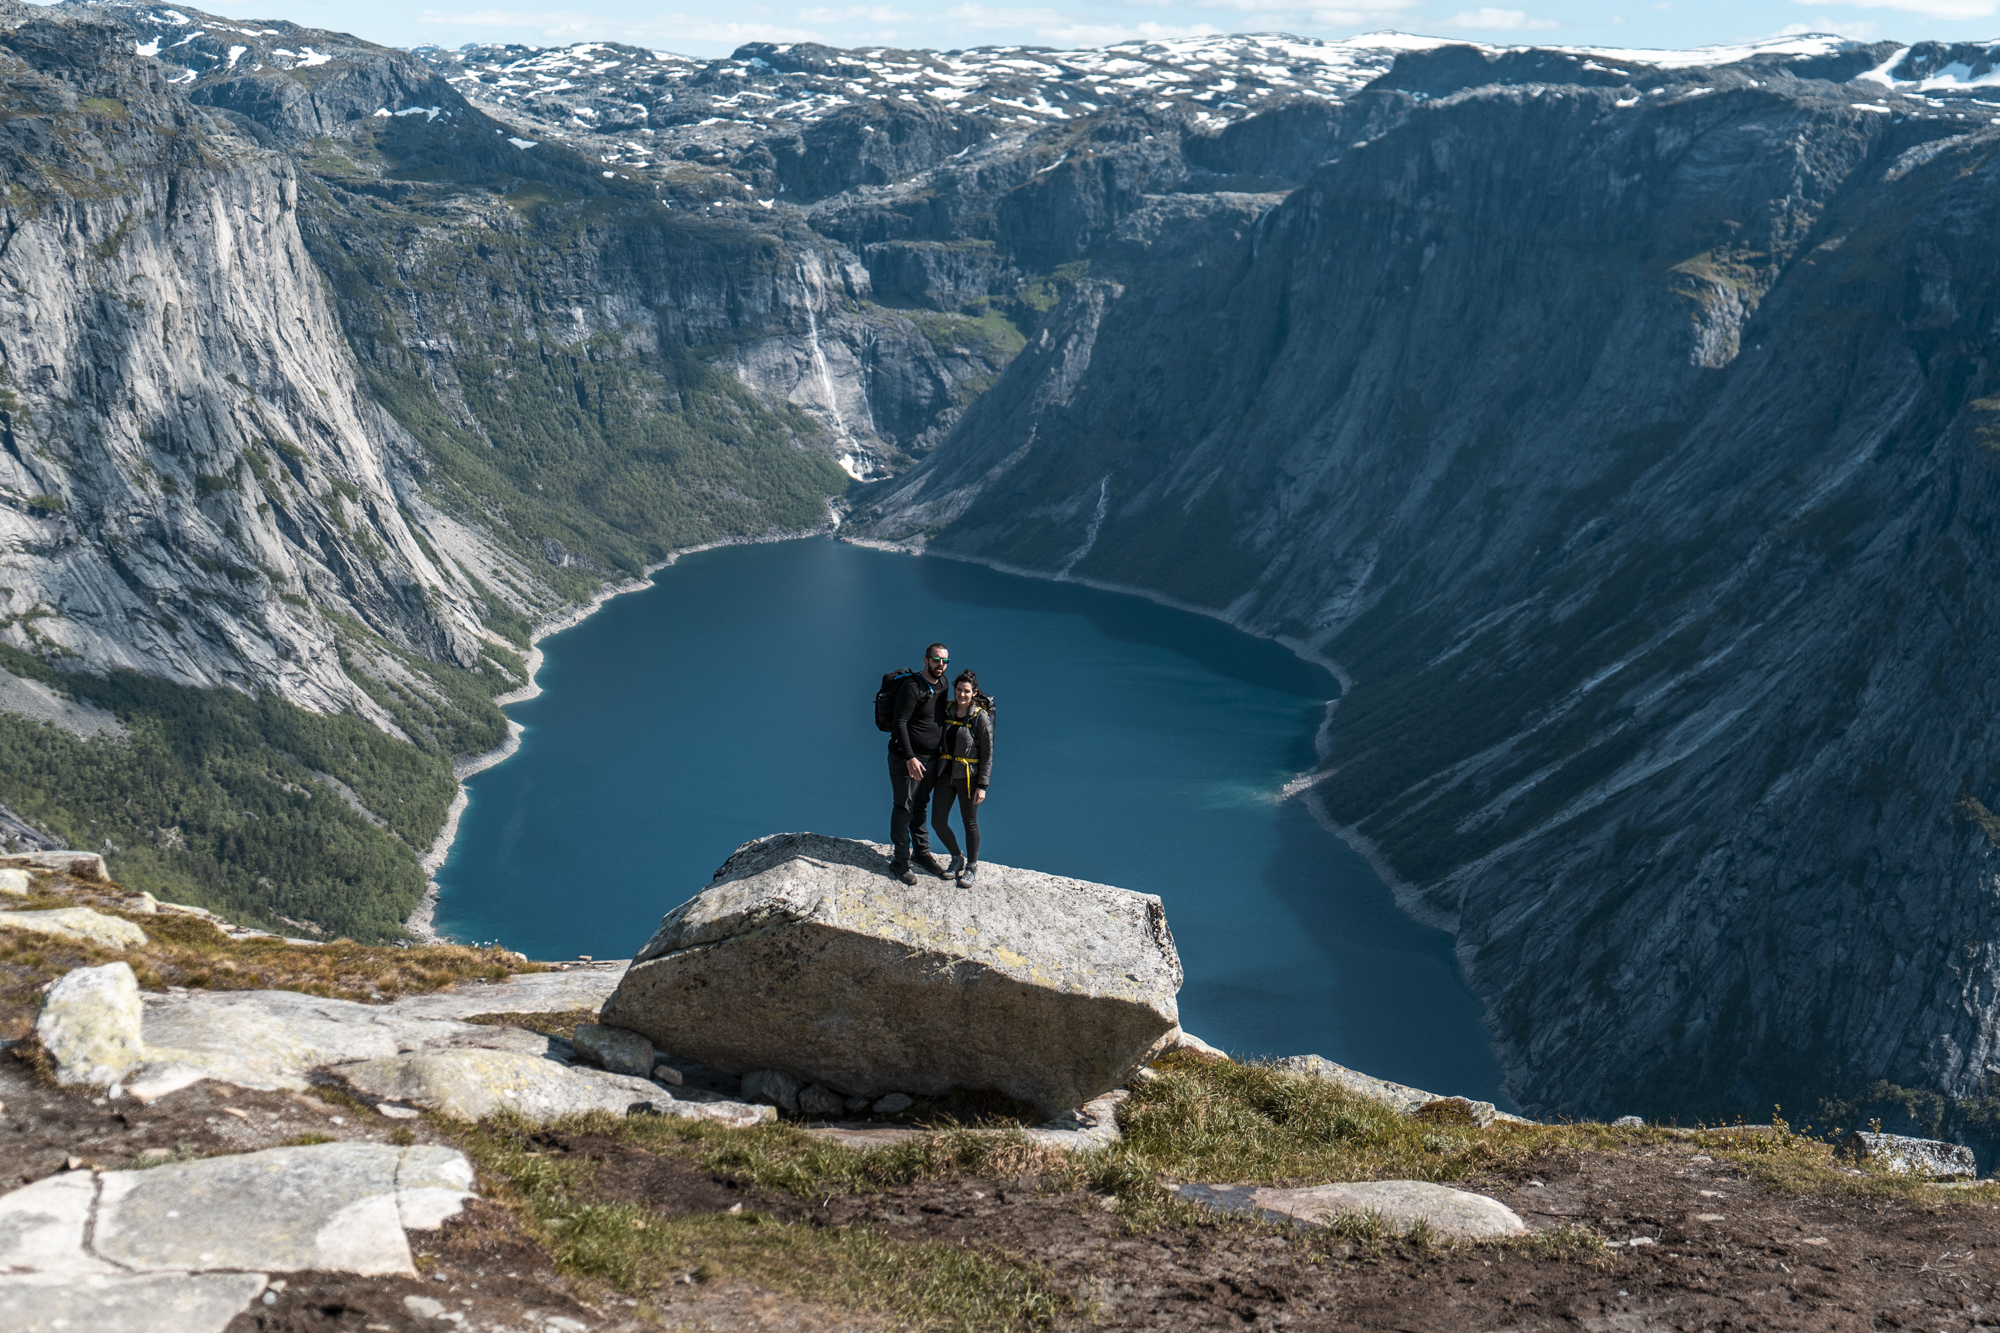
{"x": 1407, "y": 896}
{"x": 422, "y": 921}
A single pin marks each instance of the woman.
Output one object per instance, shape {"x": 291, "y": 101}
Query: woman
{"x": 968, "y": 764}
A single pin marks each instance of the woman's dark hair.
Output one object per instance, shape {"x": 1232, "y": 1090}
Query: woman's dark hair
{"x": 978, "y": 695}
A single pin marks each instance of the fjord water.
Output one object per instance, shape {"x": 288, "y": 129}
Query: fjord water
{"x": 1136, "y": 745}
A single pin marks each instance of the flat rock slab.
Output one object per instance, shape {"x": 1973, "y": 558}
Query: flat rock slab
{"x": 273, "y": 1039}
{"x": 1092, "y": 1127}
{"x": 77, "y": 865}
{"x": 803, "y": 955}
{"x": 125, "y": 1303}
{"x": 617, "y": 1049}
{"x": 471, "y": 1084}
{"x": 77, "y": 923}
{"x": 584, "y": 987}
{"x": 1397, "y": 1096}
{"x": 337, "y": 1207}
{"x": 1400, "y": 1203}
{"x": 1930, "y": 1159}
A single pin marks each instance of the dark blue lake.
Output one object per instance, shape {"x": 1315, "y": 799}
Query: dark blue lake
{"x": 1136, "y": 745}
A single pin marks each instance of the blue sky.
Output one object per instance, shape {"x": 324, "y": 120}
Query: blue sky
{"x": 715, "y": 27}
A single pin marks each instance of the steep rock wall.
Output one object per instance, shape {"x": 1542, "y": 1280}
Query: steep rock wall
{"x": 1632, "y": 454}
{"x": 192, "y": 471}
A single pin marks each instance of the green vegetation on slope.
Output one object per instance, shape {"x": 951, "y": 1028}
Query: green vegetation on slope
{"x": 214, "y": 799}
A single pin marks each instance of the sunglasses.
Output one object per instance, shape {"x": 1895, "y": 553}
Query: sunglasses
{"x": 940, "y": 659}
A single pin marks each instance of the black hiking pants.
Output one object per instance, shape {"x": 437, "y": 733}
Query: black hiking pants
{"x": 911, "y": 797}
{"x": 968, "y": 809}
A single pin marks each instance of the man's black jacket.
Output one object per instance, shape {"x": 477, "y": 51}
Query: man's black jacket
{"x": 916, "y": 719}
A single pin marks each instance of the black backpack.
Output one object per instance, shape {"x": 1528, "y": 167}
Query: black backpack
{"x": 885, "y": 698}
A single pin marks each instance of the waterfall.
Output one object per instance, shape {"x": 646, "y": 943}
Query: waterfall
{"x": 854, "y": 460}
{"x": 1089, "y": 533}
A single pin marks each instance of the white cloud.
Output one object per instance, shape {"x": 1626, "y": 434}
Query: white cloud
{"x": 561, "y": 26}
{"x": 1497, "y": 20}
{"x": 1859, "y": 29}
{"x": 1262, "y": 15}
{"x": 1935, "y": 9}
{"x": 872, "y": 13}
{"x": 1051, "y": 25}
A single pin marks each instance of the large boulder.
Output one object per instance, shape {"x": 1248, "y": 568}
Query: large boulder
{"x": 804, "y": 956}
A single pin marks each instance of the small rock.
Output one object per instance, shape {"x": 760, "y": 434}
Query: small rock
{"x": 816, "y": 1100}
{"x": 395, "y": 1112}
{"x": 1628, "y": 1122}
{"x": 1397, "y": 1096}
{"x": 1455, "y": 1111}
{"x": 854, "y": 1104}
{"x": 1928, "y": 1158}
{"x": 774, "y": 1086}
{"x": 1400, "y": 1203}
{"x": 16, "y": 882}
{"x": 143, "y": 904}
{"x": 78, "y": 923}
{"x": 90, "y": 1025}
{"x": 620, "y": 1050}
{"x": 734, "y": 1115}
{"x": 668, "y": 1075}
{"x": 893, "y": 1104}
{"x": 423, "y": 1307}
{"x": 1187, "y": 1041}
{"x": 471, "y": 1084}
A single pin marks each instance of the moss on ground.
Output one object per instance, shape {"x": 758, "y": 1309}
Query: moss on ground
{"x": 916, "y": 1283}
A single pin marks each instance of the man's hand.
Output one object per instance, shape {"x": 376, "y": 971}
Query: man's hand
{"x": 979, "y": 797}
{"x": 915, "y": 767}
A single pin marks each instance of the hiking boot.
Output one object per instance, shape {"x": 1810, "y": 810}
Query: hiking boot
{"x": 957, "y": 864}
{"x": 930, "y": 863}
{"x": 903, "y": 872}
{"x": 968, "y": 874}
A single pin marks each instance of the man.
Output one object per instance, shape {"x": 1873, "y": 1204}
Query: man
{"x": 916, "y": 736}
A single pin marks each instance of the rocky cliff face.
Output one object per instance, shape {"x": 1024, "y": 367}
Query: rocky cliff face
{"x": 193, "y": 473}
{"x": 1631, "y": 448}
